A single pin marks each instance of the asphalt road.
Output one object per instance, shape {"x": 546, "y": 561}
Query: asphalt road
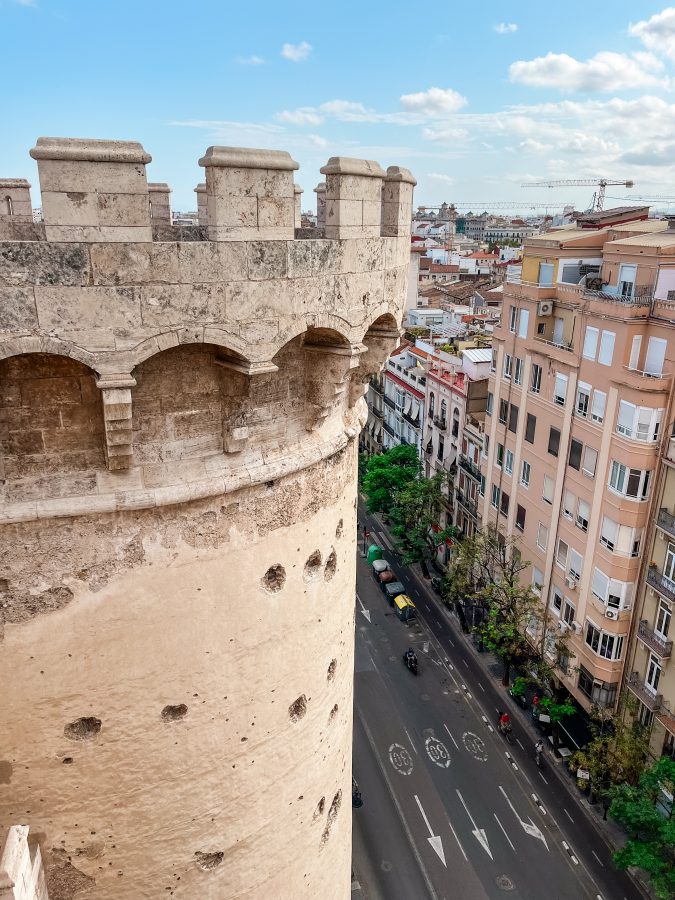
{"x": 450, "y": 808}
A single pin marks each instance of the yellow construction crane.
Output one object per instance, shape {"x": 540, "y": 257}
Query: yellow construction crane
{"x": 598, "y": 201}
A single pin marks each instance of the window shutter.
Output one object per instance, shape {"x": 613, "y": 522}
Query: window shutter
{"x": 626, "y": 417}
{"x": 656, "y": 354}
{"x": 598, "y": 406}
{"x": 575, "y": 454}
{"x": 609, "y": 532}
{"x": 600, "y": 584}
{"x": 606, "y": 351}
{"x": 590, "y": 343}
{"x": 523, "y": 323}
{"x": 576, "y": 561}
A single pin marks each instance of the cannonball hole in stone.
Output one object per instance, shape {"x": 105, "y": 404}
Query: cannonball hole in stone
{"x": 298, "y": 708}
{"x": 83, "y": 729}
{"x": 174, "y": 713}
{"x": 274, "y": 578}
{"x": 339, "y": 530}
{"x": 331, "y": 566}
{"x": 208, "y": 861}
{"x": 313, "y": 565}
{"x": 332, "y": 666}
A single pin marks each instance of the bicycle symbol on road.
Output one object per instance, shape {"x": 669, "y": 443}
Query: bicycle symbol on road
{"x": 474, "y": 745}
{"x": 400, "y": 759}
{"x": 437, "y": 752}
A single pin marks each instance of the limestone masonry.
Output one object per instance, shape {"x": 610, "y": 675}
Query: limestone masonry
{"x": 178, "y": 409}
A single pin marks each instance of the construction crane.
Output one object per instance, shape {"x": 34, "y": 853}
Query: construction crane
{"x": 598, "y": 201}
{"x": 488, "y": 205}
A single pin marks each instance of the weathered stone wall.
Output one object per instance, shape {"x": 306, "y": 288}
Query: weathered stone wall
{"x": 177, "y": 520}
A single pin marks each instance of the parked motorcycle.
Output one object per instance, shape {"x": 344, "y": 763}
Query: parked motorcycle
{"x": 436, "y": 584}
{"x": 411, "y": 662}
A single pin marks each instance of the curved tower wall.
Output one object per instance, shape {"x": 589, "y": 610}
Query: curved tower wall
{"x": 177, "y": 483}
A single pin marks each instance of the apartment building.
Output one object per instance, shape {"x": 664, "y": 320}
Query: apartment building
{"x": 372, "y": 436}
{"x": 579, "y": 398}
{"x": 404, "y": 382}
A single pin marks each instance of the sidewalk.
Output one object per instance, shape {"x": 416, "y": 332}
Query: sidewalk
{"x": 612, "y": 834}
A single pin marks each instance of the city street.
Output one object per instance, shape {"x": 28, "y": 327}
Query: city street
{"x": 450, "y": 808}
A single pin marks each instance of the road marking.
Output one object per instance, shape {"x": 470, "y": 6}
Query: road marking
{"x": 434, "y": 839}
{"x": 451, "y": 642}
{"x": 438, "y": 624}
{"x": 412, "y": 744}
{"x": 510, "y": 759}
{"x": 451, "y": 737}
{"x": 365, "y": 612}
{"x": 490, "y": 728}
{"x": 519, "y": 744}
{"x": 505, "y": 834}
{"x": 437, "y": 752}
{"x": 385, "y": 540}
{"x": 528, "y": 827}
{"x": 539, "y": 803}
{"x": 543, "y": 779}
{"x": 458, "y": 840}
{"x": 570, "y": 853}
{"x": 568, "y": 815}
{"x": 481, "y": 687}
{"x": 465, "y": 662}
{"x": 474, "y": 745}
{"x": 427, "y": 607}
{"x": 478, "y": 833}
{"x": 598, "y": 858}
{"x": 400, "y": 759}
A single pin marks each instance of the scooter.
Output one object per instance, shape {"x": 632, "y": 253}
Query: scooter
{"x": 539, "y": 753}
{"x": 411, "y": 663}
{"x": 436, "y": 584}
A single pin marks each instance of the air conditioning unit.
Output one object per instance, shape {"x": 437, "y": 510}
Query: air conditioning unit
{"x": 545, "y": 308}
{"x": 611, "y": 613}
{"x": 577, "y": 627}
{"x": 571, "y": 582}
{"x": 563, "y": 626}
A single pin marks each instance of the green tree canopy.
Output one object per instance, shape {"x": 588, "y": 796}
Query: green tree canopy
{"x": 387, "y": 473}
{"x": 416, "y": 516}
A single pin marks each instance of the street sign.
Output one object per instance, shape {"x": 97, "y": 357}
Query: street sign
{"x": 584, "y": 774}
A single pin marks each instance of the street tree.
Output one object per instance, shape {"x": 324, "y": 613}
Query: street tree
{"x": 650, "y": 829}
{"x": 417, "y": 510}
{"x": 387, "y": 473}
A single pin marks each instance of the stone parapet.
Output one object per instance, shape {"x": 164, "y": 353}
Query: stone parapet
{"x": 160, "y": 204}
{"x": 353, "y": 197}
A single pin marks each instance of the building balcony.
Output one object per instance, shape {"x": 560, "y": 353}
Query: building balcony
{"x": 414, "y": 422}
{"x": 654, "y": 641}
{"x": 666, "y": 521}
{"x": 469, "y": 467}
{"x": 469, "y": 505}
{"x": 389, "y": 402}
{"x": 659, "y": 582}
{"x": 377, "y": 412}
{"x": 378, "y": 386}
{"x": 636, "y": 685}
{"x": 644, "y": 381}
{"x": 390, "y": 431}
{"x": 441, "y": 424}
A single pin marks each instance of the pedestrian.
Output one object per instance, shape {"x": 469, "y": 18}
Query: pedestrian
{"x": 535, "y": 706}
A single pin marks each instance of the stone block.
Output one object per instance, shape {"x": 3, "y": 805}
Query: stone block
{"x": 320, "y": 191}
{"x": 50, "y": 391}
{"x": 135, "y": 263}
{"x": 276, "y": 212}
{"x": 104, "y": 308}
{"x": 297, "y": 191}
{"x": 15, "y": 200}
{"x": 17, "y": 309}
{"x": 160, "y": 205}
{"x": 267, "y": 259}
{"x": 43, "y": 263}
{"x": 202, "y": 209}
{"x": 183, "y": 304}
{"x": 353, "y": 190}
{"x": 70, "y": 175}
{"x": 209, "y": 261}
{"x": 261, "y": 300}
{"x": 70, "y": 208}
{"x": 397, "y": 198}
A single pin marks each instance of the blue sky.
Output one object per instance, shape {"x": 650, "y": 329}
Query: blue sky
{"x": 473, "y": 98}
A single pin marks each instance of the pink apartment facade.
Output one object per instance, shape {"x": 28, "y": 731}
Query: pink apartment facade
{"x": 579, "y": 401}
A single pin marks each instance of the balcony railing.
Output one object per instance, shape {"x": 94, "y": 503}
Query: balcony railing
{"x": 470, "y": 467}
{"x": 654, "y": 641}
{"x": 642, "y": 295}
{"x": 561, "y": 345}
{"x": 642, "y": 374}
{"x": 389, "y": 429}
{"x": 637, "y": 686}
{"x": 378, "y": 386}
{"x": 378, "y": 412}
{"x": 441, "y": 424}
{"x": 414, "y": 422}
{"x": 470, "y": 505}
{"x": 666, "y": 521}
{"x": 663, "y": 585}
{"x": 390, "y": 403}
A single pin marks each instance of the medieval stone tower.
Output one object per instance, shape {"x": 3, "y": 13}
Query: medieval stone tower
{"x": 178, "y": 414}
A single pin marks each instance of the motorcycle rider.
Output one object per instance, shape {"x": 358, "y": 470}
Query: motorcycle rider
{"x": 410, "y": 657}
{"x": 504, "y": 721}
{"x": 538, "y": 750}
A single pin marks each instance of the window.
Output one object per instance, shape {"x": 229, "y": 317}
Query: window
{"x": 508, "y": 365}
{"x": 432, "y": 401}
{"x": 513, "y": 418}
{"x": 556, "y": 599}
{"x": 655, "y": 356}
{"x": 640, "y": 423}
{"x": 486, "y": 445}
{"x": 512, "y": 319}
{"x": 663, "y": 619}
{"x": 575, "y": 454}
{"x": 542, "y": 536}
{"x": 518, "y": 372}
{"x": 503, "y": 412}
{"x": 499, "y": 456}
{"x": 653, "y": 674}
{"x": 504, "y": 506}
{"x": 508, "y": 462}
{"x": 590, "y": 343}
{"x": 613, "y": 593}
{"x": 609, "y": 533}
{"x": 576, "y": 562}
{"x": 635, "y": 351}
{"x": 488, "y": 408}
{"x": 590, "y": 460}
{"x": 520, "y": 517}
{"x": 560, "y": 389}
{"x": 632, "y": 483}
{"x": 561, "y": 554}
{"x": 606, "y": 351}
{"x": 583, "y": 399}
{"x": 523, "y": 321}
{"x": 598, "y": 406}
{"x": 525, "y": 472}
{"x": 568, "y": 612}
{"x": 494, "y": 500}
{"x": 493, "y": 363}
{"x": 535, "y": 381}
{"x": 530, "y": 428}
{"x": 554, "y": 441}
{"x": 583, "y": 512}
{"x": 607, "y": 645}
{"x": 568, "y": 504}
{"x": 481, "y": 486}
{"x": 601, "y": 693}
{"x": 441, "y": 443}
{"x": 537, "y": 580}
{"x": 549, "y": 486}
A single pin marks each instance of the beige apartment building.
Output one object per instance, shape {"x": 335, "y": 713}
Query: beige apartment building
{"x": 579, "y": 400}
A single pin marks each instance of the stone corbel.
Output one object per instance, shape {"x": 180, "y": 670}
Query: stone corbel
{"x": 235, "y": 437}
{"x": 117, "y": 418}
{"x": 380, "y": 343}
{"x": 326, "y": 384}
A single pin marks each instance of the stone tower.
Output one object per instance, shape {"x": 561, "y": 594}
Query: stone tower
{"x": 179, "y": 408}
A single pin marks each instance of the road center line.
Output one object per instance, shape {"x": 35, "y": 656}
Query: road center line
{"x": 411, "y": 742}
{"x": 544, "y": 780}
{"x": 451, "y": 737}
{"x": 519, "y": 744}
{"x": 505, "y": 834}
{"x": 568, "y": 815}
{"x": 598, "y": 858}
{"x": 481, "y": 687}
{"x": 459, "y": 844}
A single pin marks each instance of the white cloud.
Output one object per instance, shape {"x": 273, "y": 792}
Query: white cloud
{"x": 250, "y": 60}
{"x": 657, "y": 33}
{"x": 344, "y": 109}
{"x": 433, "y": 102}
{"x": 506, "y": 28}
{"x": 296, "y": 52}
{"x": 437, "y": 176}
{"x": 605, "y": 71}
{"x": 444, "y": 134}
{"x": 533, "y": 146}
{"x": 304, "y": 115}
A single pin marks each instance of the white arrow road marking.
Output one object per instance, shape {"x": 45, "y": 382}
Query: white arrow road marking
{"x": 528, "y": 827}
{"x": 365, "y": 611}
{"x": 478, "y": 833}
{"x": 435, "y": 839}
